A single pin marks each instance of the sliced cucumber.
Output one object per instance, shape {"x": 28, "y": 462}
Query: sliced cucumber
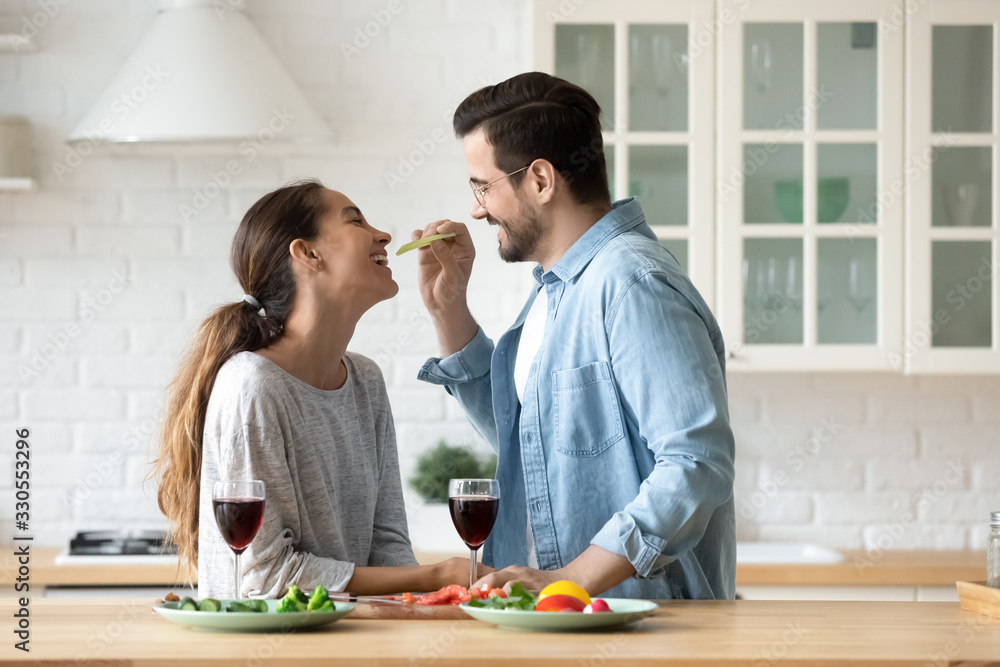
{"x": 187, "y": 604}
{"x": 420, "y": 243}
{"x": 258, "y": 606}
{"x": 210, "y": 604}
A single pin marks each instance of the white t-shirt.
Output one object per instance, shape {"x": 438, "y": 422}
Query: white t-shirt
{"x": 532, "y": 332}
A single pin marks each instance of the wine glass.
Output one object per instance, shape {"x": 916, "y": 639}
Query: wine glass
{"x": 474, "y": 504}
{"x": 239, "y": 511}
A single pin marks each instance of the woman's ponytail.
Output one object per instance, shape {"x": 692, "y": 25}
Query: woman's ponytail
{"x": 261, "y": 262}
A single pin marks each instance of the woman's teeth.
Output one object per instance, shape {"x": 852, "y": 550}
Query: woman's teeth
{"x": 381, "y": 260}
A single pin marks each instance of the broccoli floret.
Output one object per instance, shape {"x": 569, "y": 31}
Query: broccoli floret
{"x": 326, "y": 606}
{"x": 318, "y": 598}
{"x": 294, "y": 600}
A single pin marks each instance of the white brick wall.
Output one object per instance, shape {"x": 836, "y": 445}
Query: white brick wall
{"x": 832, "y": 458}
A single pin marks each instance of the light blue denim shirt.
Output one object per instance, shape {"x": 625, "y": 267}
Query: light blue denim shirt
{"x": 623, "y": 440}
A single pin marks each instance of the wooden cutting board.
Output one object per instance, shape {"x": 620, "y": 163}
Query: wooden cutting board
{"x": 409, "y": 612}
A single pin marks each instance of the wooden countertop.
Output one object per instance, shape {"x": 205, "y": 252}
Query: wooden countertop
{"x": 893, "y": 568}
{"x": 721, "y": 634}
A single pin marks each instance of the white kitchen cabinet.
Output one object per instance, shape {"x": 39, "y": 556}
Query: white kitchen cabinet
{"x": 953, "y": 148}
{"x": 810, "y": 262}
{"x": 650, "y": 64}
{"x": 810, "y": 216}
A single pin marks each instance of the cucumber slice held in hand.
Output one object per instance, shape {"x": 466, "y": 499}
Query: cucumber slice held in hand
{"x": 420, "y": 243}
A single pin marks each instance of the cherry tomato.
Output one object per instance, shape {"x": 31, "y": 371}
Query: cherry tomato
{"x": 499, "y": 592}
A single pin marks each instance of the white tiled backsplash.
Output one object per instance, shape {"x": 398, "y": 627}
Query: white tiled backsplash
{"x": 106, "y": 269}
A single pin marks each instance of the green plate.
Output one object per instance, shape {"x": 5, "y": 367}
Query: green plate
{"x": 623, "y": 611}
{"x": 420, "y": 243}
{"x": 230, "y": 621}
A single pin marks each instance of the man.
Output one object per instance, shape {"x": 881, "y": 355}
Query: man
{"x": 606, "y": 400}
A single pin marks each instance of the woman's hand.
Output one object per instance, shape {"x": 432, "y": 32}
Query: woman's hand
{"x": 456, "y": 571}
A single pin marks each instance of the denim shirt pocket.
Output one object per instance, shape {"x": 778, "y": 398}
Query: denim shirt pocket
{"x": 587, "y": 415}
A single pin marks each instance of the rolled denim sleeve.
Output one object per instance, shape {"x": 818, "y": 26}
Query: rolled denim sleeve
{"x": 466, "y": 376}
{"x": 671, "y": 384}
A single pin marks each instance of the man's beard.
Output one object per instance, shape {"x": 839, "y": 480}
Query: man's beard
{"x": 522, "y": 236}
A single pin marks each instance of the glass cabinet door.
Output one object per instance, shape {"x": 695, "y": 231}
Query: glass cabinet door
{"x": 810, "y": 155}
{"x": 953, "y": 140}
{"x": 650, "y": 65}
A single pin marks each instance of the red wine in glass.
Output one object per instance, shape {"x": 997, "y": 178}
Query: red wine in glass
{"x": 239, "y": 512}
{"x": 474, "y": 504}
{"x": 239, "y": 520}
{"x": 473, "y": 517}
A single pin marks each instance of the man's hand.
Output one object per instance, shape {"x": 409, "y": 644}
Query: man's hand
{"x": 533, "y": 580}
{"x": 443, "y": 271}
{"x": 444, "y": 267}
{"x": 596, "y": 569}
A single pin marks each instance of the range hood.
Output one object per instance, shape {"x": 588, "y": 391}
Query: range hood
{"x": 201, "y": 74}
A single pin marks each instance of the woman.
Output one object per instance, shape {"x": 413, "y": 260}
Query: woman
{"x": 270, "y": 392}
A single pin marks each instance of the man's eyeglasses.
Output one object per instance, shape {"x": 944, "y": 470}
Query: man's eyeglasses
{"x": 480, "y": 190}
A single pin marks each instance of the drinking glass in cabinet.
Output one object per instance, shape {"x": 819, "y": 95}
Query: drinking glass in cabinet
{"x": 585, "y": 55}
{"x": 658, "y": 78}
{"x": 772, "y": 291}
{"x": 847, "y": 183}
{"x": 847, "y": 75}
{"x": 769, "y": 184}
{"x": 962, "y": 293}
{"x": 962, "y": 186}
{"x": 772, "y": 76}
{"x": 659, "y": 178}
{"x": 962, "y": 78}
{"x": 846, "y": 291}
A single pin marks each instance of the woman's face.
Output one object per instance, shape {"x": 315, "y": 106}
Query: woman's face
{"x": 353, "y": 253}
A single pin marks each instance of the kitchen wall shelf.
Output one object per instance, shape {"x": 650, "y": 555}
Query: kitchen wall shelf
{"x": 15, "y": 184}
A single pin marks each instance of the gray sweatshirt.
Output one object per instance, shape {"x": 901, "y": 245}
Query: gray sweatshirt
{"x": 330, "y": 470}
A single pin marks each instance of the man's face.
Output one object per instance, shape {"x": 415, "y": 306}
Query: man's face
{"x": 519, "y": 229}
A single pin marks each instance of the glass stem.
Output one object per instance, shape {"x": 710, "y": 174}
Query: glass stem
{"x": 472, "y": 568}
{"x": 239, "y": 578}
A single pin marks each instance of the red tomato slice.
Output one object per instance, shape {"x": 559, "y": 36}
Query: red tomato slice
{"x": 560, "y": 603}
{"x": 442, "y": 596}
{"x": 458, "y": 594}
{"x": 499, "y": 592}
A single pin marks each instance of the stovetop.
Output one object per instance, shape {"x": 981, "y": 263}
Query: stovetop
{"x": 121, "y": 543}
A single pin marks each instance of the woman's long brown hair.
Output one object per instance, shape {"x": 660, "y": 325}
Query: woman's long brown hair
{"x": 261, "y": 261}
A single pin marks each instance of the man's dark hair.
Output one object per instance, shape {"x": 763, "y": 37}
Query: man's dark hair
{"x": 538, "y": 116}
